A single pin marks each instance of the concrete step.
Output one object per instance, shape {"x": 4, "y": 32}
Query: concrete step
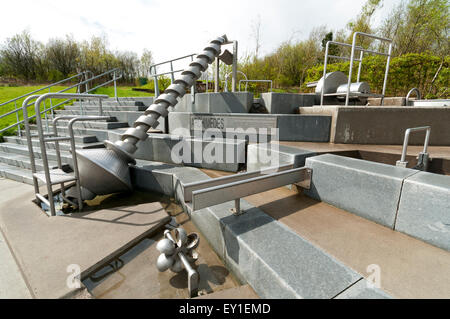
{"x": 65, "y": 145}
{"x": 78, "y": 138}
{"x": 100, "y": 134}
{"x": 90, "y": 124}
{"x": 17, "y": 174}
{"x": 23, "y": 161}
{"x": 11, "y": 148}
{"x": 90, "y": 107}
{"x": 106, "y": 103}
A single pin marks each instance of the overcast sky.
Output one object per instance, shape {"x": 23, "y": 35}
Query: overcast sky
{"x": 172, "y": 28}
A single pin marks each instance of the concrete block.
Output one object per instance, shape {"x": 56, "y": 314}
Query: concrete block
{"x": 221, "y": 102}
{"x": 424, "y": 209}
{"x": 388, "y": 101}
{"x": 265, "y": 155}
{"x": 361, "y": 290}
{"x": 367, "y": 189}
{"x": 282, "y": 265}
{"x": 304, "y": 128}
{"x": 220, "y": 154}
{"x": 387, "y": 124}
{"x": 277, "y": 262}
{"x": 286, "y": 103}
{"x": 291, "y": 127}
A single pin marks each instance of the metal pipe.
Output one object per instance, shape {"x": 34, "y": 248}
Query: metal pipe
{"x": 418, "y": 95}
{"x": 227, "y": 76}
{"x": 216, "y": 76}
{"x": 406, "y": 140}
{"x": 42, "y": 141}
{"x": 74, "y": 153}
{"x": 234, "y": 70}
{"x": 115, "y": 86}
{"x": 172, "y": 60}
{"x": 360, "y": 65}
{"x": 61, "y": 91}
{"x": 386, "y": 72}
{"x": 29, "y": 142}
{"x": 349, "y": 82}
{"x": 325, "y": 63}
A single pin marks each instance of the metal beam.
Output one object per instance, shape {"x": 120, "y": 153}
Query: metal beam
{"x": 223, "y": 193}
{"x": 190, "y": 187}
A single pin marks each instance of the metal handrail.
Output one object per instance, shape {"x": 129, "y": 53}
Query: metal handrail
{"x": 42, "y": 141}
{"x": 85, "y": 82}
{"x": 257, "y": 81}
{"x": 155, "y": 75}
{"x": 402, "y": 161}
{"x": 418, "y": 95}
{"x": 352, "y": 58}
{"x": 79, "y": 75}
{"x": 325, "y": 63}
{"x": 231, "y": 73}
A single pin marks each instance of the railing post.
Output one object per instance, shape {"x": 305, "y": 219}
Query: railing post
{"x": 100, "y": 107}
{"x": 216, "y": 75}
{"x": 387, "y": 71}
{"x": 155, "y": 81}
{"x": 172, "y": 78}
{"x": 115, "y": 87}
{"x": 352, "y": 57}
{"x": 234, "y": 70}
{"x": 360, "y": 65}
{"x": 325, "y": 62}
{"x": 194, "y": 86}
{"x": 17, "y": 118}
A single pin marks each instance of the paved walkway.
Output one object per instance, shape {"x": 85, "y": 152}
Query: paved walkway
{"x": 44, "y": 246}
{"x": 12, "y": 284}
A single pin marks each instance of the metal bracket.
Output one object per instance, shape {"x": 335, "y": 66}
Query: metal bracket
{"x": 237, "y": 208}
{"x": 306, "y": 183}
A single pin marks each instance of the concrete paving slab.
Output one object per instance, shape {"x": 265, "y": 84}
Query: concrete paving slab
{"x": 12, "y": 283}
{"x": 424, "y": 209}
{"x": 409, "y": 268}
{"x": 44, "y": 247}
{"x": 368, "y": 189}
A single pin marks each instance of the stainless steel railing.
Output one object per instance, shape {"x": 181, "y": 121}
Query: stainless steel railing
{"x": 80, "y": 76}
{"x": 154, "y": 73}
{"x": 352, "y": 58}
{"x": 423, "y": 156}
{"x": 53, "y": 137}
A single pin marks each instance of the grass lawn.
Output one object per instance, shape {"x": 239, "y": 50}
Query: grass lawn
{"x": 8, "y": 93}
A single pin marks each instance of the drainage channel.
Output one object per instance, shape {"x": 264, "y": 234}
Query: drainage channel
{"x": 134, "y": 274}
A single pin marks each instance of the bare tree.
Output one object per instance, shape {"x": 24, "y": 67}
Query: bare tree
{"x": 145, "y": 62}
{"x": 256, "y": 34}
